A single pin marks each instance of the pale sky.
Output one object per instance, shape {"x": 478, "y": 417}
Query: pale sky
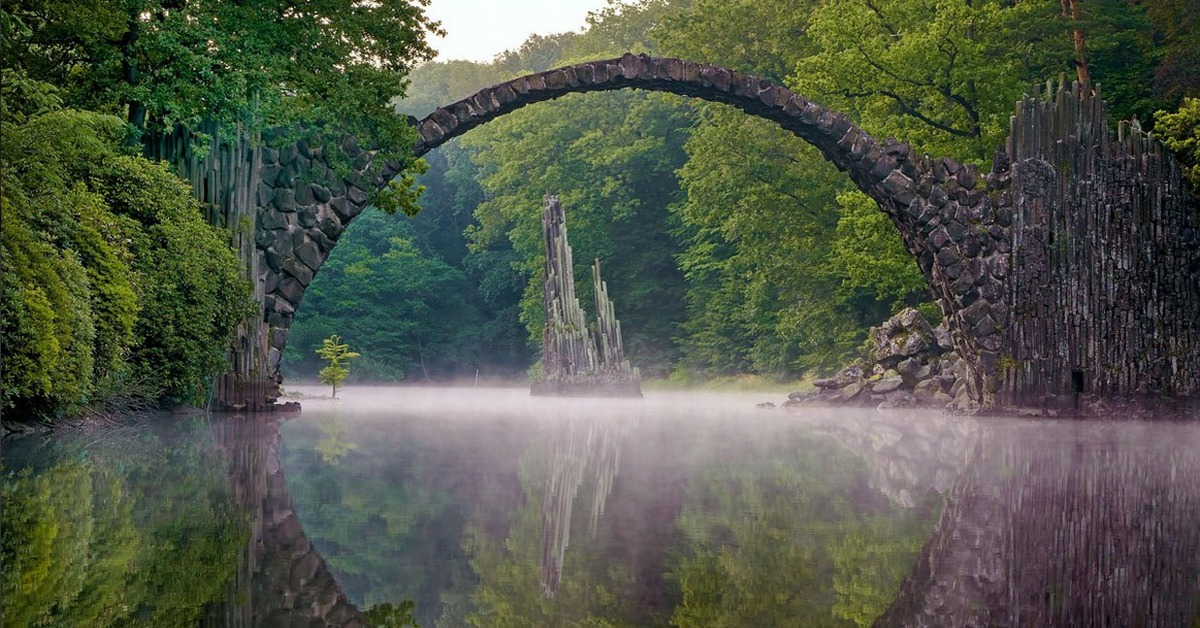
{"x": 477, "y": 30}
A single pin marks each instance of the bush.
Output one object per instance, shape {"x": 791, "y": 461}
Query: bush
{"x": 110, "y": 274}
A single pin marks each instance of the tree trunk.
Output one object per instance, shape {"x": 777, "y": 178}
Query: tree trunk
{"x": 1071, "y": 9}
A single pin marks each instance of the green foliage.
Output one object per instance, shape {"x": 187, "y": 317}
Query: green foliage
{"x": 941, "y": 75}
{"x": 111, "y": 273}
{"x": 1180, "y": 131}
{"x": 94, "y": 536}
{"x": 870, "y": 255}
{"x": 334, "y": 352}
{"x": 47, "y": 327}
{"x": 388, "y": 615}
{"x": 417, "y": 318}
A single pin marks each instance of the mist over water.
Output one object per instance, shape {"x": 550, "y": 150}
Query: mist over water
{"x": 698, "y": 508}
{"x": 488, "y": 507}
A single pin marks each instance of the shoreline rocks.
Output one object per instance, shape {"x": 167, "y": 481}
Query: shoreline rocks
{"x": 912, "y": 364}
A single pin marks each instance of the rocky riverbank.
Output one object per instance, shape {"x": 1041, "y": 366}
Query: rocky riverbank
{"x": 914, "y": 365}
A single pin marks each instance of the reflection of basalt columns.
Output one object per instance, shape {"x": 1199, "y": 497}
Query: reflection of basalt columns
{"x": 575, "y": 452}
{"x": 1061, "y": 525}
{"x": 281, "y": 579}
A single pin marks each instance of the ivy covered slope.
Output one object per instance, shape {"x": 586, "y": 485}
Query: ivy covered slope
{"x": 115, "y": 291}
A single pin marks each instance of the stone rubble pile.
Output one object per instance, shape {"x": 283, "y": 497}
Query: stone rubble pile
{"x": 912, "y": 364}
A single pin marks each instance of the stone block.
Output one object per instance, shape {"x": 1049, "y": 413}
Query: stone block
{"x": 971, "y": 245}
{"x": 350, "y": 143}
{"x": 431, "y": 132}
{"x": 956, "y": 229}
{"x": 306, "y": 217}
{"x": 938, "y": 238}
{"x": 938, "y": 197}
{"x": 283, "y": 306}
{"x": 310, "y": 255}
{"x": 274, "y": 260}
{"x": 270, "y": 219}
{"x": 288, "y": 154}
{"x": 968, "y": 177}
{"x": 302, "y": 273}
{"x": 271, "y": 281}
{"x": 948, "y": 256}
{"x": 299, "y": 237}
{"x": 356, "y": 195}
{"x": 285, "y": 200}
{"x": 264, "y": 194}
{"x": 291, "y": 289}
{"x": 320, "y": 193}
{"x": 887, "y": 384}
{"x": 330, "y": 226}
{"x": 630, "y": 66}
{"x": 337, "y": 185}
{"x": 283, "y": 242}
{"x": 984, "y": 327}
{"x": 324, "y": 242}
{"x": 882, "y": 168}
{"x": 975, "y": 312}
{"x": 304, "y": 195}
{"x": 343, "y": 208}
{"x": 270, "y": 174}
{"x": 279, "y": 338}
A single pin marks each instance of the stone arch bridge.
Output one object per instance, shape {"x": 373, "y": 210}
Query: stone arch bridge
{"x": 1072, "y": 267}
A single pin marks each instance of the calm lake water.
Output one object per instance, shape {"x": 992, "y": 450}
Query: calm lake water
{"x": 486, "y": 507}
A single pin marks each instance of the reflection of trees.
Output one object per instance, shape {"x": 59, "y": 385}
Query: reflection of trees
{"x": 124, "y": 529}
{"x": 780, "y": 531}
{"x": 334, "y": 444}
{"x": 378, "y": 513}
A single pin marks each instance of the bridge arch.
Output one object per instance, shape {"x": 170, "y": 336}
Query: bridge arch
{"x": 942, "y": 219}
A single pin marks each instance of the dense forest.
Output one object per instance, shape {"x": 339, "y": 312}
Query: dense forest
{"x": 117, "y": 292}
{"x": 730, "y": 246}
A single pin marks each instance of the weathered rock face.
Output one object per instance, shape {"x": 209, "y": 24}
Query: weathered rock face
{"x": 1104, "y": 279}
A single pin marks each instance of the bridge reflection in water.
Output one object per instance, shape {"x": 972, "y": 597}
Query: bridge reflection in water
{"x": 1040, "y": 524}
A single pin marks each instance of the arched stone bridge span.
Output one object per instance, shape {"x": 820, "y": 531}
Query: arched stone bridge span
{"x": 1051, "y": 283}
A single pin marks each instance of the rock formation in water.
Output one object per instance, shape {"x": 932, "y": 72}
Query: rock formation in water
{"x": 578, "y": 360}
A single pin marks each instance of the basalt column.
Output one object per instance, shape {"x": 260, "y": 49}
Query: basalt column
{"x": 1104, "y": 285}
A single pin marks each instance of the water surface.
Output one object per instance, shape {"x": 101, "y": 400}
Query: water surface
{"x": 488, "y": 507}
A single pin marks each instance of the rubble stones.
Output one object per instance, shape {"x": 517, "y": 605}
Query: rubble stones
{"x": 911, "y": 367}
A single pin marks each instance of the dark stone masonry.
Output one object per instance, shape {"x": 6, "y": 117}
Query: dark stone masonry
{"x": 1071, "y": 270}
